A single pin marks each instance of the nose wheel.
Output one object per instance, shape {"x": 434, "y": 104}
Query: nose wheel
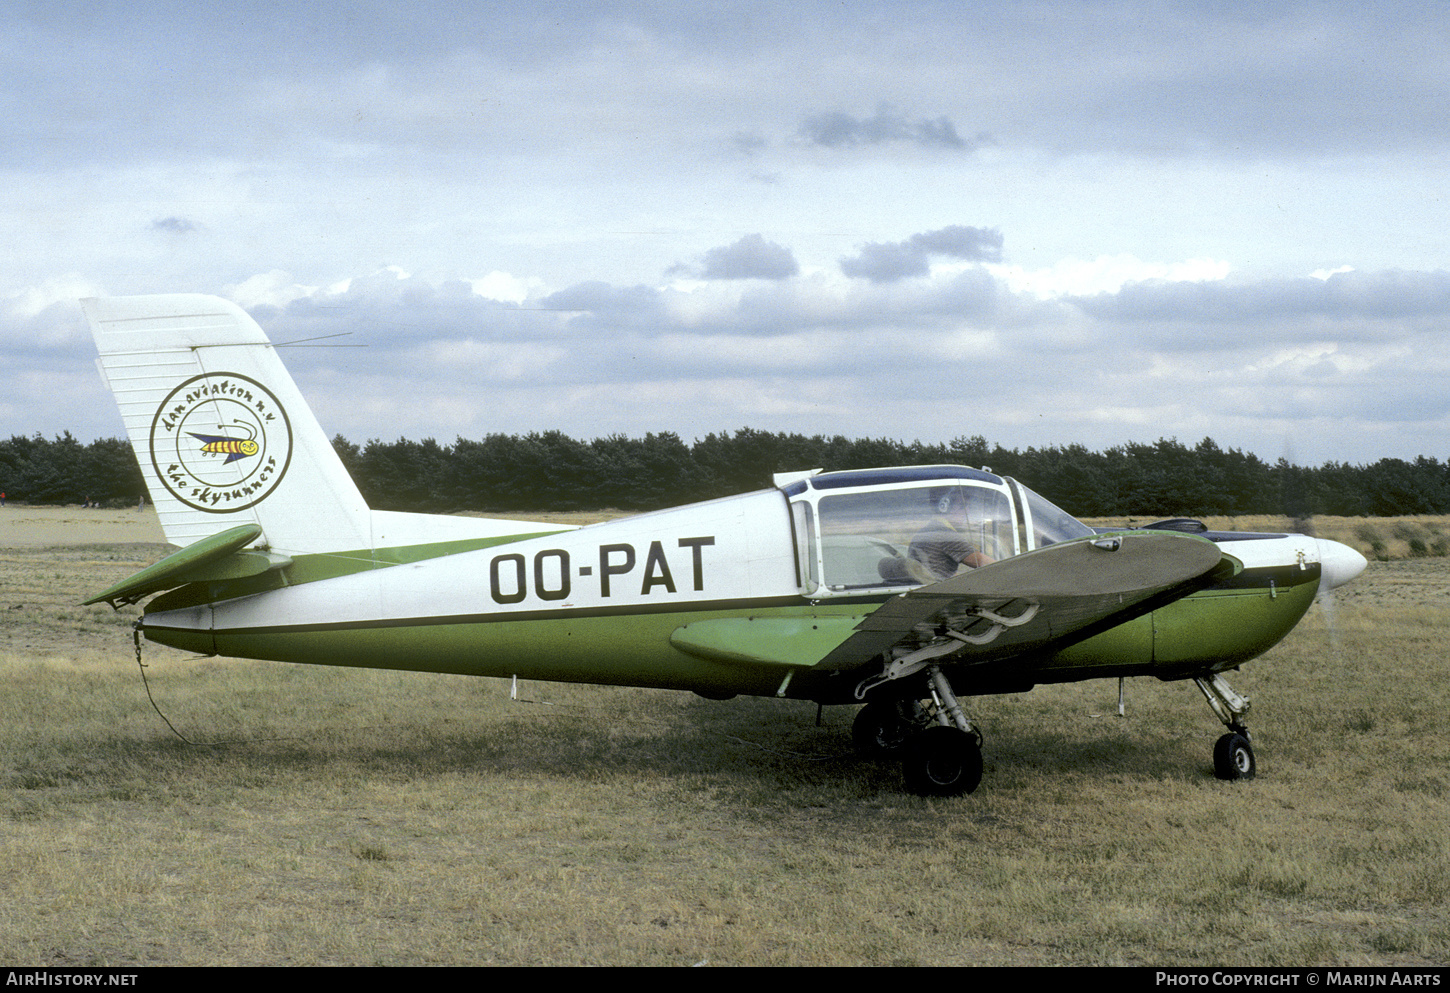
{"x": 1233, "y": 756}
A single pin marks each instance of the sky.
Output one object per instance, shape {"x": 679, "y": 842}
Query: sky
{"x": 1041, "y": 223}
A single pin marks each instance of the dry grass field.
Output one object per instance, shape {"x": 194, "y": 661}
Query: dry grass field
{"x": 336, "y": 817}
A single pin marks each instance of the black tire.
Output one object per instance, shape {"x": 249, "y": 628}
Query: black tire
{"x": 942, "y": 761}
{"x": 878, "y": 731}
{"x": 1233, "y": 758}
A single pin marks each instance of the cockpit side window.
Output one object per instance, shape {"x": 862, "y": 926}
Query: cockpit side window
{"x": 806, "y": 551}
{"x": 911, "y": 536}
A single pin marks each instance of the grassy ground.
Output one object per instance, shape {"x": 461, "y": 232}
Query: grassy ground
{"x": 340, "y": 817}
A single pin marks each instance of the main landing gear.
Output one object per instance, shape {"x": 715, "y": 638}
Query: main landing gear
{"x": 940, "y": 749}
{"x": 1233, "y": 756}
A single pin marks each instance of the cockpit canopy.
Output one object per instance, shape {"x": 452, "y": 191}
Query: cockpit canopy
{"x": 886, "y": 530}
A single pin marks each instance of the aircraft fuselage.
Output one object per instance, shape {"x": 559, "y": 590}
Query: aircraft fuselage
{"x": 608, "y": 603}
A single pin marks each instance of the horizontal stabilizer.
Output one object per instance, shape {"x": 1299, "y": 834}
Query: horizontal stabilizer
{"x": 215, "y": 558}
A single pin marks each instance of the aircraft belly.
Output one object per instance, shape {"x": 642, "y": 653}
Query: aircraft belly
{"x": 1127, "y": 645}
{"x": 794, "y": 640}
{"x": 194, "y": 638}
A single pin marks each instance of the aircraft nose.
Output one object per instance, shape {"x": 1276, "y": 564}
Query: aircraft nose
{"x": 1338, "y": 564}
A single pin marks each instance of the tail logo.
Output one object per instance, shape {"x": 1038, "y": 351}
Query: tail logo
{"x": 221, "y": 442}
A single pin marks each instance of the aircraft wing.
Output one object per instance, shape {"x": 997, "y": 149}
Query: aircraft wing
{"x": 1029, "y": 602}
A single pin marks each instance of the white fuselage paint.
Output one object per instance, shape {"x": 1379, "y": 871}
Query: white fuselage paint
{"x": 734, "y": 549}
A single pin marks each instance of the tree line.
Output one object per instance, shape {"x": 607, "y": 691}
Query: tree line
{"x": 62, "y": 471}
{"x": 552, "y": 471}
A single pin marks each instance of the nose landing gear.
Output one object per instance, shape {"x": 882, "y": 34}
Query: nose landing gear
{"x": 1233, "y": 756}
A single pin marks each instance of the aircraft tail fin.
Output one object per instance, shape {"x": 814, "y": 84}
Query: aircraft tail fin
{"x": 221, "y": 432}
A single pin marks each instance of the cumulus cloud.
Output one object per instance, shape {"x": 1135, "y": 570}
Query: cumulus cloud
{"x": 890, "y": 261}
{"x": 1104, "y": 274}
{"x": 1272, "y": 346}
{"x": 31, "y": 300}
{"x": 275, "y": 288}
{"x": 834, "y": 129}
{"x": 393, "y": 316}
{"x": 601, "y": 298}
{"x": 752, "y": 257}
{"x": 505, "y": 286}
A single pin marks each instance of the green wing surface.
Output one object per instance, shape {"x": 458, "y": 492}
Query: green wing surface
{"x": 782, "y": 641}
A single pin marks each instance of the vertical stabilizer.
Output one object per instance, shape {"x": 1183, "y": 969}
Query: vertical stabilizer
{"x": 221, "y": 432}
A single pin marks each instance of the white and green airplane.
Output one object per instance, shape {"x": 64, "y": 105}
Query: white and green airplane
{"x": 837, "y": 587}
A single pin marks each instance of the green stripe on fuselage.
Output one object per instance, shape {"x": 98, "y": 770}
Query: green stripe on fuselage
{"x": 328, "y": 565}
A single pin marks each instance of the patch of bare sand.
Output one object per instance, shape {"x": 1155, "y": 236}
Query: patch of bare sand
{"x": 39, "y": 527}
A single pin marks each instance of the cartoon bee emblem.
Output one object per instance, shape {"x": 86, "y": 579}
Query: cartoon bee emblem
{"x": 220, "y": 442}
{"x": 232, "y": 447}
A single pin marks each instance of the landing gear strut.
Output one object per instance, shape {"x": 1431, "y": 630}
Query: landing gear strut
{"x": 943, "y": 759}
{"x": 1233, "y": 756}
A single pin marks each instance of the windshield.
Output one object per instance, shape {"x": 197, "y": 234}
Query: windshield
{"x": 1049, "y": 522}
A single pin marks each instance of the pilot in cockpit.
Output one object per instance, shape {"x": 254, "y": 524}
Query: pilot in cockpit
{"x": 940, "y": 548}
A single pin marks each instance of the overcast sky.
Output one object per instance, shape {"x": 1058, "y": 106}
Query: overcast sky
{"x": 1043, "y": 223}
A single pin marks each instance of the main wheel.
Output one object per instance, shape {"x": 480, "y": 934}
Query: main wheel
{"x": 942, "y": 761}
{"x": 1233, "y": 757}
{"x": 878, "y": 731}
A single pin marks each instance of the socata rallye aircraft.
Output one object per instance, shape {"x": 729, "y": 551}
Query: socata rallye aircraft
{"x": 824, "y": 587}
